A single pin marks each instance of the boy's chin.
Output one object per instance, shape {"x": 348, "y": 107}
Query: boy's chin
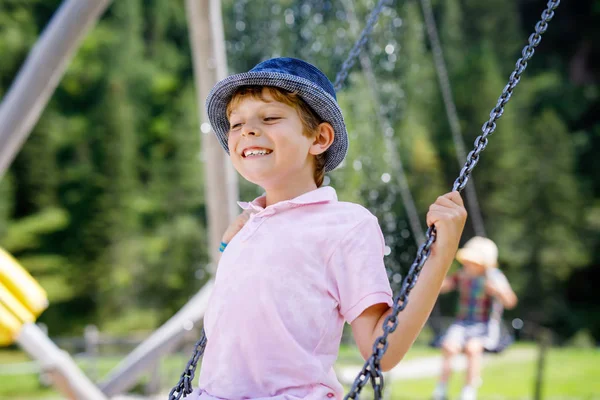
{"x": 258, "y": 179}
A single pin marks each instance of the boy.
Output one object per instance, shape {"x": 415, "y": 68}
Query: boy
{"x": 303, "y": 263}
{"x": 480, "y": 284}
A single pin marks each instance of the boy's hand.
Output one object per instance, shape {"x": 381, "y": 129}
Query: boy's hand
{"x": 236, "y": 225}
{"x": 448, "y": 214}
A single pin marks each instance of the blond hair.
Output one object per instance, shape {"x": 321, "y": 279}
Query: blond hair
{"x": 310, "y": 119}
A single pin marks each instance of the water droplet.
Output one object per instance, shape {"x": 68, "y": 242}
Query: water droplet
{"x": 289, "y": 17}
{"x": 517, "y": 323}
{"x": 188, "y": 325}
{"x": 205, "y": 128}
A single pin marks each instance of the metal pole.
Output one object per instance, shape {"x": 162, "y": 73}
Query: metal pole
{"x": 386, "y": 128}
{"x": 220, "y": 56}
{"x": 91, "y": 337}
{"x": 40, "y": 74}
{"x": 543, "y": 339}
{"x": 453, "y": 121}
{"x": 207, "y": 40}
{"x": 65, "y": 373}
{"x": 161, "y": 342}
{"x": 220, "y": 181}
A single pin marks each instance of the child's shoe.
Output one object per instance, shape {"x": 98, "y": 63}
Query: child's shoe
{"x": 468, "y": 393}
{"x": 440, "y": 392}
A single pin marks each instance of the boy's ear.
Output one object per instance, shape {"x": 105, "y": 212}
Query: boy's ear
{"x": 323, "y": 139}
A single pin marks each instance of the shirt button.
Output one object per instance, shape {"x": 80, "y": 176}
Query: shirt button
{"x": 330, "y": 395}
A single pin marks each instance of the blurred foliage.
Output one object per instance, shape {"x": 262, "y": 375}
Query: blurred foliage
{"x": 105, "y": 204}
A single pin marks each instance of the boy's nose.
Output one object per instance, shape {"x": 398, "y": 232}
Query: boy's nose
{"x": 249, "y": 130}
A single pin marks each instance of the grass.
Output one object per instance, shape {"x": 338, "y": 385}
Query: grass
{"x": 29, "y": 386}
{"x": 569, "y": 374}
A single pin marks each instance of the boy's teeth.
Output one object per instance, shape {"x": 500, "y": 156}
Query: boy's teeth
{"x": 255, "y": 152}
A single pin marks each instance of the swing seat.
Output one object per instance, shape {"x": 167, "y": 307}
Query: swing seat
{"x": 497, "y": 341}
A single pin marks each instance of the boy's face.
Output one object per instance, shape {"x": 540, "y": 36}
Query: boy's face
{"x": 266, "y": 142}
{"x": 473, "y": 269}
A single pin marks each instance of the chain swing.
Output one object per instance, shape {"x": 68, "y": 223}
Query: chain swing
{"x": 371, "y": 370}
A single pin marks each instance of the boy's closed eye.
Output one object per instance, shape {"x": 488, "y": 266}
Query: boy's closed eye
{"x": 271, "y": 119}
{"x": 237, "y": 125}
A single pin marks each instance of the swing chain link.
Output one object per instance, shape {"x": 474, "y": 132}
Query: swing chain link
{"x": 401, "y": 299}
{"x": 359, "y": 44}
{"x": 184, "y": 386}
{"x": 391, "y": 323}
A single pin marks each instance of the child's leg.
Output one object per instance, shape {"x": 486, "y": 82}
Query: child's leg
{"x": 449, "y": 350}
{"x": 451, "y": 346}
{"x": 474, "y": 353}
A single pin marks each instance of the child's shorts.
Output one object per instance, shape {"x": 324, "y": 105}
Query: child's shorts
{"x": 460, "y": 332}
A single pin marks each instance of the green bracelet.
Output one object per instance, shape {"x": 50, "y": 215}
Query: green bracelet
{"x": 222, "y": 247}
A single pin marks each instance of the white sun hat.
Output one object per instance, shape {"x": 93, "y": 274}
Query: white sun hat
{"x": 479, "y": 250}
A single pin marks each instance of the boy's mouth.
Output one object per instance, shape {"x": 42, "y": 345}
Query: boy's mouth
{"x": 255, "y": 152}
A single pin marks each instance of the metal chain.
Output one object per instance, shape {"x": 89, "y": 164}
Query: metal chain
{"x": 371, "y": 368}
{"x": 358, "y": 45}
{"x": 184, "y": 386}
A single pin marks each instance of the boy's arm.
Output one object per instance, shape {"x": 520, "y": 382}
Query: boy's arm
{"x": 448, "y": 215}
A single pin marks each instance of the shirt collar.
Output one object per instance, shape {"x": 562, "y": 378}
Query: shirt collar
{"x": 324, "y": 194}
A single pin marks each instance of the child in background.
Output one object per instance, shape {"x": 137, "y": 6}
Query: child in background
{"x": 480, "y": 284}
{"x": 303, "y": 263}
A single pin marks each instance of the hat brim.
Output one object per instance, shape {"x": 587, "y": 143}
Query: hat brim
{"x": 319, "y": 100}
{"x": 473, "y": 256}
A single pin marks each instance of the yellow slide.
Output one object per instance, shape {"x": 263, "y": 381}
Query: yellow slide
{"x": 22, "y": 299}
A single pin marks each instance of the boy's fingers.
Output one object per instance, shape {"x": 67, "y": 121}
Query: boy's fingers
{"x": 435, "y": 213}
{"x": 455, "y": 197}
{"x": 445, "y": 202}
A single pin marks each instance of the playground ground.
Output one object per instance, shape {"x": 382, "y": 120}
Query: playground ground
{"x": 570, "y": 373}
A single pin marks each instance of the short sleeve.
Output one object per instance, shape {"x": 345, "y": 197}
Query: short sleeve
{"x": 357, "y": 275}
{"x": 498, "y": 278}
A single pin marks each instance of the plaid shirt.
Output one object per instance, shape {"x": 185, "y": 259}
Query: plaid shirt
{"x": 474, "y": 304}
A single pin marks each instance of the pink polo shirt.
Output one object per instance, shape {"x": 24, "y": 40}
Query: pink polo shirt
{"x": 284, "y": 287}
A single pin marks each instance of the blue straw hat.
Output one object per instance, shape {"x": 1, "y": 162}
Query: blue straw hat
{"x": 292, "y": 75}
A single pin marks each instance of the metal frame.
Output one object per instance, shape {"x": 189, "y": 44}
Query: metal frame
{"x": 21, "y": 109}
